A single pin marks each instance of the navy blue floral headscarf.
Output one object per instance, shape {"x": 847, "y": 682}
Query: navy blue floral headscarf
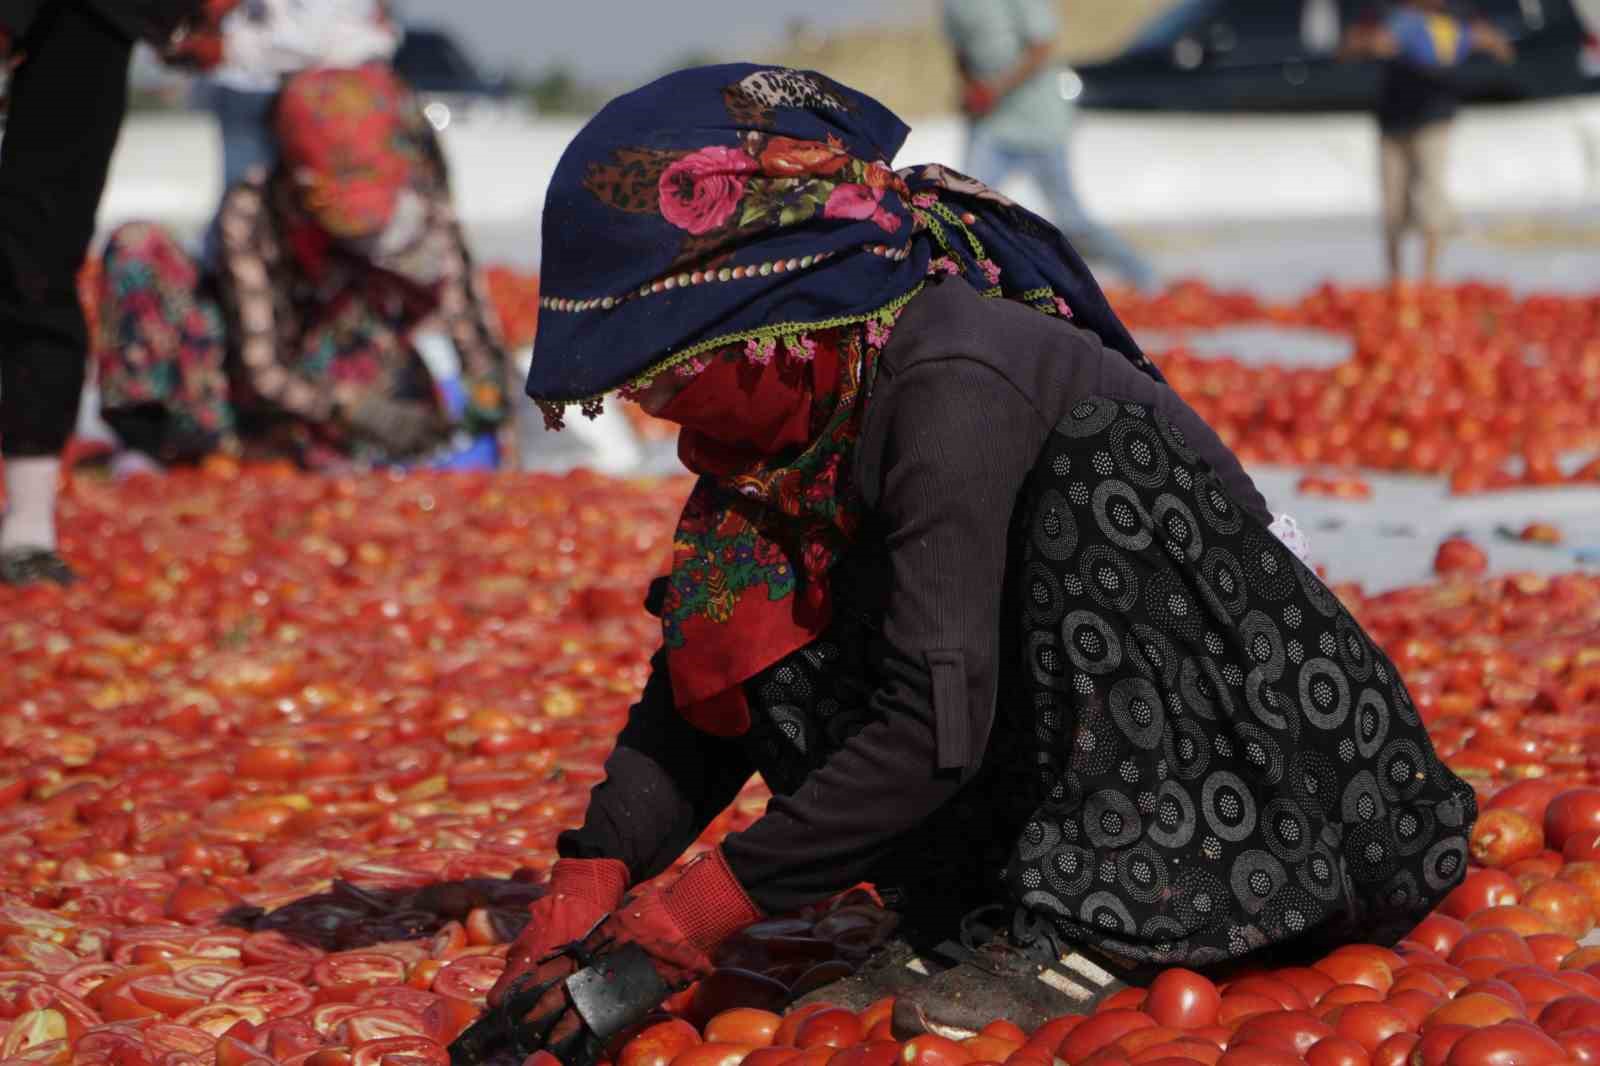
{"x": 733, "y": 203}
{"x": 741, "y": 227}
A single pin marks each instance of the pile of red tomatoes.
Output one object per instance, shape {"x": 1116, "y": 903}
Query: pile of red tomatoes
{"x": 276, "y": 695}
{"x": 1469, "y": 380}
{"x": 271, "y": 687}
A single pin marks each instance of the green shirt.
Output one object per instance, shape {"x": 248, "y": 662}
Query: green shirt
{"x": 991, "y": 37}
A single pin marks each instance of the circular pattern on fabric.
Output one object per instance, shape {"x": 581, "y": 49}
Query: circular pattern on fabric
{"x": 1174, "y": 438}
{"x": 1286, "y": 830}
{"x": 1412, "y": 828}
{"x": 1215, "y": 507}
{"x": 1324, "y": 694}
{"x": 1368, "y": 854}
{"x": 1314, "y": 782}
{"x": 1372, "y": 722}
{"x": 1267, "y": 565}
{"x": 1088, "y": 417}
{"x": 1139, "y": 453}
{"x": 1202, "y": 688}
{"x": 1263, "y": 644}
{"x": 1260, "y": 751}
{"x": 1120, "y": 516}
{"x": 1090, "y": 642}
{"x": 1445, "y": 864}
{"x": 1043, "y": 597}
{"x": 1036, "y": 840}
{"x": 1137, "y": 710}
{"x": 1045, "y": 658}
{"x": 1172, "y": 608}
{"x": 1362, "y": 802}
{"x": 1200, "y": 900}
{"x": 1289, "y": 913}
{"x": 1142, "y": 873}
{"x": 1187, "y": 749}
{"x": 1255, "y": 878}
{"x": 1094, "y": 751}
{"x": 1319, "y": 875}
{"x": 1354, "y": 651}
{"x": 1179, "y": 529}
{"x": 1223, "y": 577}
{"x": 1069, "y": 870}
{"x": 1108, "y": 577}
{"x": 1173, "y": 823}
{"x": 1401, "y": 776}
{"x": 1228, "y": 806}
{"x": 1111, "y": 820}
{"x": 1402, "y": 893}
{"x": 1055, "y": 531}
{"x": 1105, "y": 913}
{"x": 1152, "y": 654}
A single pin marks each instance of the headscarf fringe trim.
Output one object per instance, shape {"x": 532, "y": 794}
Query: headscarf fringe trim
{"x": 763, "y": 340}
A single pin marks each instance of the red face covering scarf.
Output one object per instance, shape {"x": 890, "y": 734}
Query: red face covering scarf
{"x": 776, "y": 506}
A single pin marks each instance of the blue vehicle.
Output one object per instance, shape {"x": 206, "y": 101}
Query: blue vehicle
{"x": 1281, "y": 55}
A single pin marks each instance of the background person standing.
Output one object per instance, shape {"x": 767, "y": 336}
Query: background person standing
{"x": 1421, "y": 43}
{"x": 1019, "y": 119}
{"x": 68, "y": 95}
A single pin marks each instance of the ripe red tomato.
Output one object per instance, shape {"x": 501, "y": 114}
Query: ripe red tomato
{"x": 930, "y": 1050}
{"x": 1574, "y": 812}
{"x": 1183, "y": 999}
{"x": 1505, "y": 1045}
{"x": 829, "y": 1028}
{"x": 1100, "y": 1031}
{"x": 1502, "y": 837}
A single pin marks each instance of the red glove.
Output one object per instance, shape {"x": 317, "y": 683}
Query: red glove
{"x": 978, "y": 99}
{"x": 679, "y": 925}
{"x": 682, "y": 924}
{"x": 582, "y": 891}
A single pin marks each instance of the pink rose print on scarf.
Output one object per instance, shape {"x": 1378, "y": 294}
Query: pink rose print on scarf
{"x": 861, "y": 202}
{"x": 700, "y": 192}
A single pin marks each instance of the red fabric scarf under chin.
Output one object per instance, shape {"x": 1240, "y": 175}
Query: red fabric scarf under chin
{"x": 775, "y": 508}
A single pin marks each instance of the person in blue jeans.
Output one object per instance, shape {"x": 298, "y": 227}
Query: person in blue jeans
{"x": 1019, "y": 119}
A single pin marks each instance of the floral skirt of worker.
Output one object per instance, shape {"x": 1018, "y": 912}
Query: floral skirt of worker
{"x": 1222, "y": 758}
{"x": 160, "y": 349}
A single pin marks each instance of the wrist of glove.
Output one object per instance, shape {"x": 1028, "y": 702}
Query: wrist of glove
{"x": 581, "y": 893}
{"x": 399, "y": 427}
{"x": 675, "y": 927}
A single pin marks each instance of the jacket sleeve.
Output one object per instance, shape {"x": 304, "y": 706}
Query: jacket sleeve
{"x": 958, "y": 443}
{"x": 665, "y": 782}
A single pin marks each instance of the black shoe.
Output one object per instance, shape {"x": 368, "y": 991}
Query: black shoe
{"x": 31, "y": 566}
{"x": 892, "y": 970}
{"x": 1026, "y": 985}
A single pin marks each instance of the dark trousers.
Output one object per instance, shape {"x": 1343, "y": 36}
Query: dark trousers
{"x": 67, "y": 104}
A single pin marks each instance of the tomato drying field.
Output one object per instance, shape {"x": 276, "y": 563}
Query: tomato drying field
{"x": 280, "y": 775}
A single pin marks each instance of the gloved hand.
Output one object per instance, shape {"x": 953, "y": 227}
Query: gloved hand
{"x": 399, "y": 427}
{"x": 582, "y": 891}
{"x": 678, "y": 925}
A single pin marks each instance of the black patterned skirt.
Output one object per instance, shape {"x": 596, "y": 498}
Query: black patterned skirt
{"x": 1200, "y": 753}
{"x": 1223, "y": 759}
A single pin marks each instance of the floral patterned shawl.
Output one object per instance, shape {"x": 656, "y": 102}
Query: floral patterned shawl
{"x": 741, "y": 227}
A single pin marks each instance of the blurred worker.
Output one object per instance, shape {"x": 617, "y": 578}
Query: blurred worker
{"x": 301, "y": 344}
{"x": 1004, "y": 625}
{"x": 1019, "y": 118}
{"x": 1420, "y": 43}
{"x": 67, "y": 96}
{"x": 265, "y": 41}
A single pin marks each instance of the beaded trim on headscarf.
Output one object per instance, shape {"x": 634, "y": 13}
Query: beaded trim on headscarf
{"x": 762, "y": 343}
